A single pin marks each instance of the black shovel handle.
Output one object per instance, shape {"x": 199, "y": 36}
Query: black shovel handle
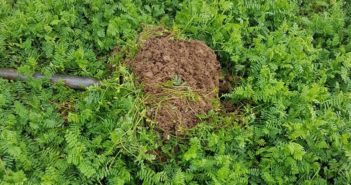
{"x": 74, "y": 82}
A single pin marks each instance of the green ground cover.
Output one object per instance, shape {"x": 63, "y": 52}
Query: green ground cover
{"x": 292, "y": 60}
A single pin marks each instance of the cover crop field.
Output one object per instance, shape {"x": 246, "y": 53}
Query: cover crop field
{"x": 282, "y": 114}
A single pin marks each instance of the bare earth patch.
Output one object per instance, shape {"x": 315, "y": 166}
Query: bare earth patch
{"x": 180, "y": 79}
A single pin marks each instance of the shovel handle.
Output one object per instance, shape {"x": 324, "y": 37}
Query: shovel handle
{"x": 74, "y": 82}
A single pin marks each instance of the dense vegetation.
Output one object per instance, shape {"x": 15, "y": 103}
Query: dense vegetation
{"x": 291, "y": 60}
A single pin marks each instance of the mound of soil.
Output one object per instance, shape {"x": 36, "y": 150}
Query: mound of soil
{"x": 180, "y": 79}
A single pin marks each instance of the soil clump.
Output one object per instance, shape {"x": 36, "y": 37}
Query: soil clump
{"x": 180, "y": 79}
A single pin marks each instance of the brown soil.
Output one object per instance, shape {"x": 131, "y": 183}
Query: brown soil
{"x": 180, "y": 79}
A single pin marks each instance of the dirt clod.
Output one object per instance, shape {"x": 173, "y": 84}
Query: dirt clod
{"x": 180, "y": 79}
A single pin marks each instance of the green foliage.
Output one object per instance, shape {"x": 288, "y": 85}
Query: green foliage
{"x": 293, "y": 59}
